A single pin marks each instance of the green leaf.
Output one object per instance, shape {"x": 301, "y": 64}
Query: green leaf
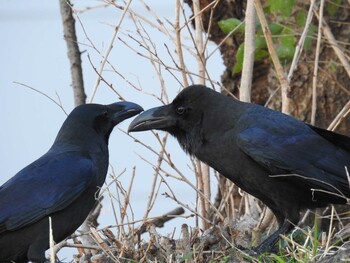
{"x": 331, "y": 67}
{"x": 284, "y": 7}
{"x": 267, "y": 9}
{"x": 287, "y": 7}
{"x": 278, "y": 259}
{"x": 260, "y": 54}
{"x": 239, "y": 59}
{"x": 275, "y": 28}
{"x": 287, "y": 38}
{"x": 260, "y": 42}
{"x": 332, "y": 7}
{"x": 285, "y": 52}
{"x": 300, "y": 18}
{"x": 274, "y": 5}
{"x": 186, "y": 257}
{"x": 308, "y": 39}
{"x": 230, "y": 24}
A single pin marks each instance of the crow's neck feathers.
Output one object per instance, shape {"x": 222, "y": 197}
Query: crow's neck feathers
{"x": 81, "y": 135}
{"x": 211, "y": 120}
{"x": 190, "y": 139}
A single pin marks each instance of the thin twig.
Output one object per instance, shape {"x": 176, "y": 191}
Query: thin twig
{"x": 42, "y": 93}
{"x": 199, "y": 42}
{"x": 109, "y": 49}
{"x": 105, "y": 81}
{"x": 52, "y": 243}
{"x": 128, "y": 192}
{"x": 314, "y": 77}
{"x": 332, "y": 41}
{"x": 225, "y": 39}
{"x": 202, "y": 169}
{"x": 94, "y": 234}
{"x": 160, "y": 220}
{"x": 330, "y": 230}
{"x": 299, "y": 47}
{"x": 182, "y": 178}
{"x": 276, "y": 62}
{"x": 178, "y": 42}
{"x": 155, "y": 177}
{"x": 341, "y": 116}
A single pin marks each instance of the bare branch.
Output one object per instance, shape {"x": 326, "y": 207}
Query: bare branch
{"x": 45, "y": 95}
{"x": 73, "y": 52}
{"x": 249, "y": 48}
{"x": 110, "y": 47}
{"x": 276, "y": 62}
{"x": 155, "y": 176}
{"x": 314, "y": 77}
{"x": 161, "y": 220}
{"x": 52, "y": 243}
{"x": 202, "y": 169}
{"x": 299, "y": 47}
{"x": 332, "y": 41}
{"x": 341, "y": 115}
{"x": 178, "y": 42}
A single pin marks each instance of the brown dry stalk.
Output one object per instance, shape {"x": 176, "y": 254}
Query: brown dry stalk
{"x": 301, "y": 42}
{"x": 203, "y": 169}
{"x": 95, "y": 235}
{"x": 276, "y": 62}
{"x": 161, "y": 220}
{"x": 178, "y": 42}
{"x": 314, "y": 77}
{"x": 332, "y": 41}
{"x": 152, "y": 192}
{"x": 150, "y": 245}
{"x": 78, "y": 243}
{"x": 342, "y": 58}
{"x": 200, "y": 185}
{"x": 249, "y": 50}
{"x": 341, "y": 115}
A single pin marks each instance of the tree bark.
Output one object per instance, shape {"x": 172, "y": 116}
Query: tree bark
{"x": 73, "y": 52}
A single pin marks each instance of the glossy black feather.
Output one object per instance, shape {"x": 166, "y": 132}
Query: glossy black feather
{"x": 62, "y": 184}
{"x": 284, "y": 162}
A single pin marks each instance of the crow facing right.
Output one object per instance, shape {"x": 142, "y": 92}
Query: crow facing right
{"x": 61, "y": 184}
{"x": 289, "y": 165}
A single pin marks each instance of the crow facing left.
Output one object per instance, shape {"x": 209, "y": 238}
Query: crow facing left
{"x": 287, "y": 164}
{"x": 62, "y": 184}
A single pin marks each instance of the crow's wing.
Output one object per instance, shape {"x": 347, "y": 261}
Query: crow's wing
{"x": 283, "y": 143}
{"x": 337, "y": 139}
{"x": 47, "y": 185}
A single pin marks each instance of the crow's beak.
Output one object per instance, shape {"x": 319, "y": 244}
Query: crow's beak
{"x": 124, "y": 110}
{"x": 159, "y": 118}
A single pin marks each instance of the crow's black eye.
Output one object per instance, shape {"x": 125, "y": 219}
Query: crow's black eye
{"x": 105, "y": 113}
{"x": 180, "y": 110}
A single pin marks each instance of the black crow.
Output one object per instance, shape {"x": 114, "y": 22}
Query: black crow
{"x": 287, "y": 164}
{"x": 62, "y": 184}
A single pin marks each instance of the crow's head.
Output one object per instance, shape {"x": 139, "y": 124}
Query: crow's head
{"x": 100, "y": 118}
{"x": 186, "y": 118}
